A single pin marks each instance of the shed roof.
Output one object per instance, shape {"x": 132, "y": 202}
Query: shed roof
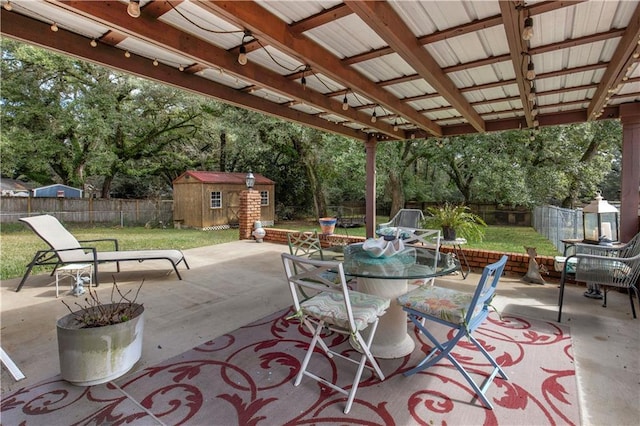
{"x": 224, "y": 177}
{"x": 57, "y": 185}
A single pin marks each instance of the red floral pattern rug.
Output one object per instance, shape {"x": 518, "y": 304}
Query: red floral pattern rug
{"x": 246, "y": 378}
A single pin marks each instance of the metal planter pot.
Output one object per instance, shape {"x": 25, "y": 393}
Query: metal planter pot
{"x": 90, "y": 356}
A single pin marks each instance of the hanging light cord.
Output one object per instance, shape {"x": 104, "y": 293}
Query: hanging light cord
{"x": 200, "y": 26}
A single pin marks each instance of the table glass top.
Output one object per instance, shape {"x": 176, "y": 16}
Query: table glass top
{"x": 413, "y": 262}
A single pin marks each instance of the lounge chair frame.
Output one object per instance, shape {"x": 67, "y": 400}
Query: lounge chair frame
{"x": 45, "y": 226}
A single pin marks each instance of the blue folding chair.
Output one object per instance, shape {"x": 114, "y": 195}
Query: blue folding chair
{"x": 461, "y": 311}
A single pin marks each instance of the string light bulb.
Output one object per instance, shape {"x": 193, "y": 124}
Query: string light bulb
{"x": 127, "y": 54}
{"x": 54, "y": 27}
{"x": 345, "y": 103}
{"x": 531, "y": 72}
{"x": 303, "y": 81}
{"x": 242, "y": 55}
{"x": 374, "y": 117}
{"x": 8, "y": 7}
{"x": 180, "y": 68}
{"x": 532, "y": 95}
{"x": 527, "y": 32}
{"x": 395, "y": 125}
{"x": 133, "y": 9}
{"x": 93, "y": 43}
{"x": 155, "y": 62}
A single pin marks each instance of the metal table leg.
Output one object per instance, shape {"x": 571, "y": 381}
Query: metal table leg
{"x": 457, "y": 248}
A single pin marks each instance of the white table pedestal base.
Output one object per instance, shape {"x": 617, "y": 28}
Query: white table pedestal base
{"x": 391, "y": 340}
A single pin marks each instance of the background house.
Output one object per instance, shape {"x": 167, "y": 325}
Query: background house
{"x": 14, "y": 188}
{"x": 57, "y": 190}
{"x": 211, "y": 200}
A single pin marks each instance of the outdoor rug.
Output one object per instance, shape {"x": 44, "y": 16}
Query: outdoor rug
{"x": 246, "y": 378}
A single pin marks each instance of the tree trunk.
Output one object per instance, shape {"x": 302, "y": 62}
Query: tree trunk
{"x": 106, "y": 187}
{"x": 396, "y": 188}
{"x": 223, "y": 151}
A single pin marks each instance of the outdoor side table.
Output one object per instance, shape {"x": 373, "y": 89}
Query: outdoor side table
{"x": 76, "y": 271}
{"x": 457, "y": 250}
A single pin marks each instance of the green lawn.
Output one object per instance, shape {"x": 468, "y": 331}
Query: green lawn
{"x": 18, "y": 244}
{"x": 507, "y": 239}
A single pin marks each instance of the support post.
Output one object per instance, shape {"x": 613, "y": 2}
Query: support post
{"x": 630, "y": 187}
{"x": 370, "y": 192}
{"x": 249, "y": 212}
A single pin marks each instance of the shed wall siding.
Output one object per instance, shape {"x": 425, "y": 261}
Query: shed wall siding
{"x": 192, "y": 203}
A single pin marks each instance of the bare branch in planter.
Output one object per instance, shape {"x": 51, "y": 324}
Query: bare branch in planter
{"x": 94, "y": 313}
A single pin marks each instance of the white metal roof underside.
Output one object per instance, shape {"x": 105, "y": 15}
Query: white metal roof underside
{"x": 422, "y": 68}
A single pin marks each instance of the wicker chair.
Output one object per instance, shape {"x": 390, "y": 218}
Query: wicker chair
{"x": 608, "y": 267}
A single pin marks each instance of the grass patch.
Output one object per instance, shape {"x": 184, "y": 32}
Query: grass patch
{"x": 506, "y": 239}
{"x": 19, "y": 244}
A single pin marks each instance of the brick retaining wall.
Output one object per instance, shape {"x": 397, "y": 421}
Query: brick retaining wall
{"x": 517, "y": 265}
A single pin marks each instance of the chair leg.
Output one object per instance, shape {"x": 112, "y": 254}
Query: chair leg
{"x": 631, "y": 291}
{"x": 40, "y": 254}
{"x": 26, "y": 274}
{"x": 307, "y": 357}
{"x": 444, "y": 350}
{"x": 366, "y": 356}
{"x": 561, "y": 295}
{"x": 439, "y": 351}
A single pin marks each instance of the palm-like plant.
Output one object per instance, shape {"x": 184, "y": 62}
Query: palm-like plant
{"x": 455, "y": 221}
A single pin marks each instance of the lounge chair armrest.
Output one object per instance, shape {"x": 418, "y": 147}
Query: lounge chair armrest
{"x": 115, "y": 241}
{"x": 91, "y": 249}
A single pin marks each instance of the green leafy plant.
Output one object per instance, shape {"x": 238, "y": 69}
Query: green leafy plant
{"x": 457, "y": 217}
{"x": 95, "y": 313}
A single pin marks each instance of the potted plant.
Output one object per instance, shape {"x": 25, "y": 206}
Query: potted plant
{"x": 101, "y": 341}
{"x": 455, "y": 221}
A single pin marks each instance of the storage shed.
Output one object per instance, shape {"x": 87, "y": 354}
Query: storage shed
{"x": 211, "y": 200}
{"x": 57, "y": 190}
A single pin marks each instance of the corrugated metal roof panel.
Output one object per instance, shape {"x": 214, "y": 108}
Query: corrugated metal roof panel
{"x": 346, "y": 37}
{"x": 204, "y": 25}
{"x": 294, "y": 11}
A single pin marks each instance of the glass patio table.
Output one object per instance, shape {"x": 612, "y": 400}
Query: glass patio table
{"x": 389, "y": 277}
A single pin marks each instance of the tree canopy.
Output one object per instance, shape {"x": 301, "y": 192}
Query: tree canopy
{"x": 72, "y": 122}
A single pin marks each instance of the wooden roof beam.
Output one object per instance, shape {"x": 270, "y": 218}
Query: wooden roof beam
{"x": 381, "y": 17}
{"x": 203, "y": 53}
{"x": 265, "y": 25}
{"x": 617, "y": 69}
{"x": 22, "y": 28}
{"x": 517, "y": 48}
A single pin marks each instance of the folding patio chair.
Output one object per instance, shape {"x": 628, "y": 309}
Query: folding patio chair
{"x": 305, "y": 244}
{"x": 407, "y": 218}
{"x": 461, "y": 311}
{"x": 335, "y": 308}
{"x": 66, "y": 249}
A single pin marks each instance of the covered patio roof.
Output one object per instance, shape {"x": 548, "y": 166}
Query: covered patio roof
{"x": 369, "y": 70}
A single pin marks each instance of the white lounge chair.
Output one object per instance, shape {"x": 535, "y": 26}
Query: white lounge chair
{"x": 66, "y": 249}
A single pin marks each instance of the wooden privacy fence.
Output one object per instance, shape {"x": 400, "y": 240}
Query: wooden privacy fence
{"x": 155, "y": 213}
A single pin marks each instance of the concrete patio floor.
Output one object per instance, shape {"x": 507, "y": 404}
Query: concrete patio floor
{"x": 233, "y": 284}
